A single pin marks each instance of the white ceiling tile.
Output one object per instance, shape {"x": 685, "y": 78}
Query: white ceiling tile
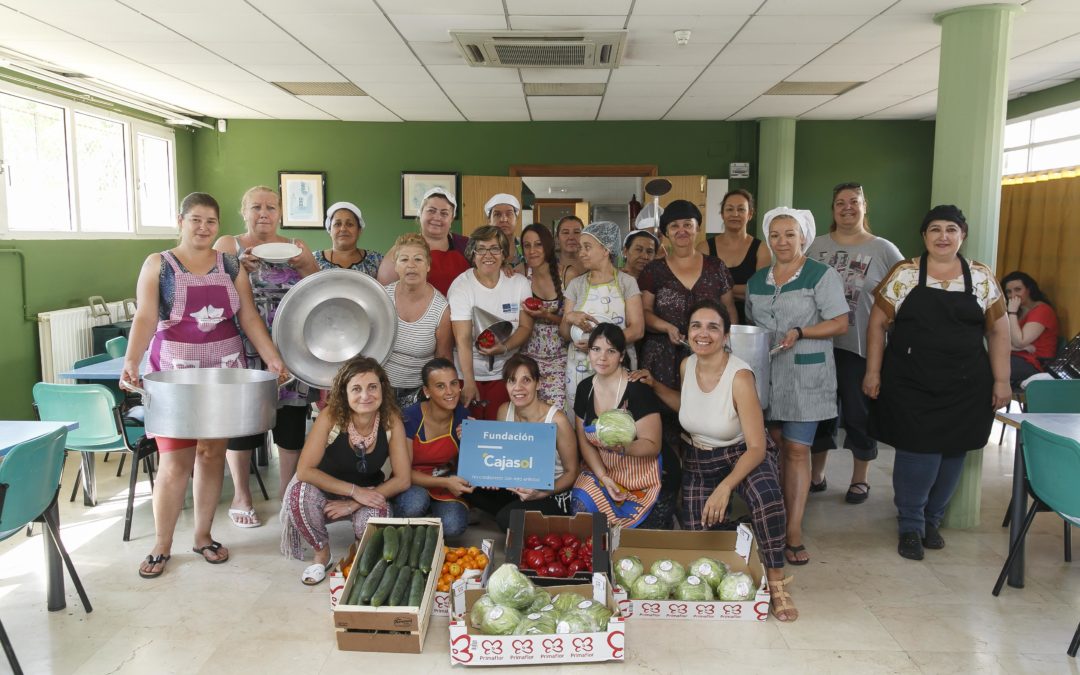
{"x": 825, "y": 7}
{"x": 164, "y": 53}
{"x": 493, "y": 109}
{"x": 769, "y": 54}
{"x": 913, "y": 108}
{"x": 437, "y": 53}
{"x": 314, "y": 73}
{"x": 1064, "y": 52}
{"x": 470, "y": 74}
{"x": 1039, "y": 86}
{"x": 471, "y": 89}
{"x": 897, "y": 28}
{"x": 126, "y": 71}
{"x": 635, "y": 107}
{"x": 318, "y": 6}
{"x": 243, "y": 89}
{"x": 423, "y": 110}
{"x": 205, "y": 73}
{"x": 1031, "y": 28}
{"x": 316, "y": 29}
{"x": 920, "y": 69}
{"x": 442, "y": 7}
{"x": 705, "y": 108}
{"x": 779, "y": 106}
{"x": 883, "y": 86}
{"x": 935, "y": 6}
{"x": 366, "y": 54}
{"x": 75, "y": 56}
{"x": 154, "y": 8}
{"x": 744, "y": 90}
{"x": 1059, "y": 6}
{"x": 560, "y": 75}
{"x": 1023, "y": 69}
{"x": 97, "y": 20}
{"x": 564, "y": 107}
{"x": 403, "y": 89}
{"x": 747, "y": 73}
{"x": 851, "y": 72}
{"x": 364, "y": 74}
{"x": 568, "y": 7}
{"x": 284, "y": 107}
{"x": 865, "y": 53}
{"x": 562, "y": 22}
{"x": 646, "y": 90}
{"x": 242, "y": 22}
{"x": 843, "y": 107}
{"x": 703, "y": 29}
{"x": 659, "y": 74}
{"x": 351, "y": 108}
{"x": 782, "y": 30}
{"x": 437, "y": 27}
{"x": 693, "y": 7}
{"x": 264, "y": 54}
{"x": 15, "y": 26}
{"x": 652, "y": 54}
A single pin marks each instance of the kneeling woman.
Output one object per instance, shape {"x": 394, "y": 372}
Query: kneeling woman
{"x": 522, "y": 376}
{"x": 621, "y": 482}
{"x": 339, "y": 473}
{"x": 724, "y": 445}
{"x": 433, "y": 427}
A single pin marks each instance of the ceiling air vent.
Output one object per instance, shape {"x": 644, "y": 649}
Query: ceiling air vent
{"x": 320, "y": 88}
{"x": 540, "y": 49}
{"x": 564, "y": 88}
{"x": 811, "y": 88}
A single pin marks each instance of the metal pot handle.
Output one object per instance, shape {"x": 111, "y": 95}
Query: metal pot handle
{"x": 124, "y": 384}
{"x": 290, "y": 379}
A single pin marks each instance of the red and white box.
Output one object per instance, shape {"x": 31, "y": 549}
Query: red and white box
{"x": 468, "y": 649}
{"x": 335, "y": 579}
{"x": 471, "y": 579}
{"x": 738, "y": 549}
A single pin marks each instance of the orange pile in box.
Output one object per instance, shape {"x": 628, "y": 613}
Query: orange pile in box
{"x": 457, "y": 561}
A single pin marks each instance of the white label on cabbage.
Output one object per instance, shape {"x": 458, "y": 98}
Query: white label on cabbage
{"x": 650, "y": 579}
{"x": 533, "y": 617}
{"x": 562, "y": 627}
{"x": 693, "y": 581}
{"x": 547, "y": 608}
{"x": 585, "y": 604}
{"x": 666, "y": 565}
{"x": 742, "y": 588}
{"x": 625, "y": 564}
{"x": 704, "y": 568}
{"x": 495, "y": 613}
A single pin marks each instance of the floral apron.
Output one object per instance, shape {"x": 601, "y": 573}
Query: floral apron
{"x": 605, "y": 302}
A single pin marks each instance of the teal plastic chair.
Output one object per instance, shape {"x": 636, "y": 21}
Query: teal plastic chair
{"x": 116, "y": 347}
{"x": 29, "y": 483}
{"x": 1053, "y": 472}
{"x": 101, "y": 429}
{"x": 132, "y": 413}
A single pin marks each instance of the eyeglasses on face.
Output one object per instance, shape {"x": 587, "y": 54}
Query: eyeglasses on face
{"x": 482, "y": 251}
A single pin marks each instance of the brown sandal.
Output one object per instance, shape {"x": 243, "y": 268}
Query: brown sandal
{"x": 781, "y": 600}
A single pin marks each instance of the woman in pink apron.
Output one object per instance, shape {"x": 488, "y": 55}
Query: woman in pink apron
{"x": 196, "y": 297}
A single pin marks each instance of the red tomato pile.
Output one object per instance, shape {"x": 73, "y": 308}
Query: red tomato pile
{"x": 557, "y": 555}
{"x": 486, "y": 340}
{"x": 535, "y": 304}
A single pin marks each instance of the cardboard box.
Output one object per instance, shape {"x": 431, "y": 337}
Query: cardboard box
{"x": 469, "y": 649}
{"x": 335, "y": 579}
{"x": 582, "y": 525}
{"x": 388, "y": 628}
{"x": 471, "y": 579}
{"x": 738, "y": 549}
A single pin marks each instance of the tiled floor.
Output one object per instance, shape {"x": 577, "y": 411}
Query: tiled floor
{"x": 864, "y": 609}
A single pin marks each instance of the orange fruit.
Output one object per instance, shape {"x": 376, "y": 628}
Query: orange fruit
{"x": 473, "y": 551}
{"x": 455, "y": 570}
{"x": 481, "y": 561}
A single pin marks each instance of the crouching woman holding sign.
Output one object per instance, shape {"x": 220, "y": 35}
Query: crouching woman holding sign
{"x": 724, "y": 445}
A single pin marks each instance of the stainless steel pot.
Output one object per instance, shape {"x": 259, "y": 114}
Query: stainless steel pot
{"x": 209, "y": 402}
{"x": 751, "y": 344}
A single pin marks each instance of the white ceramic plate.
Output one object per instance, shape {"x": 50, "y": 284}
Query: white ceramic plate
{"x": 276, "y": 252}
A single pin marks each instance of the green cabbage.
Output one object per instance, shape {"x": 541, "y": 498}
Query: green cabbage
{"x": 566, "y": 602}
{"x": 541, "y": 599}
{"x": 479, "y": 610}
{"x": 507, "y": 586}
{"x": 501, "y": 620}
{"x": 537, "y": 623}
{"x": 648, "y": 587}
{"x": 615, "y": 428}
{"x": 710, "y": 571}
{"x": 577, "y": 622}
{"x": 627, "y": 571}
{"x": 599, "y": 613}
{"x": 693, "y": 589}
{"x": 737, "y": 586}
{"x": 668, "y": 571}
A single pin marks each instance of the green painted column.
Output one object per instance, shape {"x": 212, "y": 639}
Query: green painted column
{"x": 776, "y": 163}
{"x": 968, "y": 135}
{"x": 972, "y": 97}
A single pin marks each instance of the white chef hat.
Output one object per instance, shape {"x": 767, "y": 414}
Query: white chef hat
{"x": 442, "y": 192}
{"x": 804, "y": 218}
{"x": 502, "y": 198}
{"x": 648, "y": 217}
{"x": 348, "y": 206}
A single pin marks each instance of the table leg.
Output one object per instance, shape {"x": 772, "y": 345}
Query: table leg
{"x": 54, "y": 566}
{"x": 1018, "y": 510}
{"x": 89, "y": 479}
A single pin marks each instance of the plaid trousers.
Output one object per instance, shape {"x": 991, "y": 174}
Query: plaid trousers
{"x": 703, "y": 470}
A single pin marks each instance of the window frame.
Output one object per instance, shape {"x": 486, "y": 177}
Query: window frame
{"x": 1030, "y": 146}
{"x": 133, "y": 127}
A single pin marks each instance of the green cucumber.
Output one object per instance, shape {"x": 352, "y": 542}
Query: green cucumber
{"x": 417, "y": 546}
{"x": 354, "y": 592}
{"x": 390, "y": 543}
{"x": 386, "y": 584}
{"x": 405, "y": 535}
{"x": 371, "y": 583}
{"x": 401, "y": 587}
{"x": 372, "y": 553}
{"x": 427, "y": 557}
{"x": 416, "y": 588}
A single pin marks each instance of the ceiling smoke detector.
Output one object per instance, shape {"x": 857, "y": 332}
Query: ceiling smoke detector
{"x": 540, "y": 49}
{"x": 682, "y": 37}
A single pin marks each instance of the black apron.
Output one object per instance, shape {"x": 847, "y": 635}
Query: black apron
{"x": 936, "y": 381}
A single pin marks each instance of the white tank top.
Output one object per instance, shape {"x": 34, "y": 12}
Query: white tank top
{"x": 710, "y": 419}
{"x": 549, "y": 419}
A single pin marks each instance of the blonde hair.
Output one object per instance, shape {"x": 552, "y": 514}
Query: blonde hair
{"x": 251, "y": 192}
{"x": 412, "y": 239}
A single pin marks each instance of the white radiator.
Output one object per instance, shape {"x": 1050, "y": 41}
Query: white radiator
{"x": 65, "y": 336}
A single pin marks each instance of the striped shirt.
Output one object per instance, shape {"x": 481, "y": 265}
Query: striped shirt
{"x": 415, "y": 343}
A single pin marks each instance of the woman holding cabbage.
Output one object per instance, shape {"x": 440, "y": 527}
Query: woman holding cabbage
{"x": 618, "y": 428}
{"x": 724, "y": 445}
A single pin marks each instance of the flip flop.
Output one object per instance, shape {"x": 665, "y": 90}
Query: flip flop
{"x": 795, "y": 551}
{"x": 212, "y": 546}
{"x": 151, "y": 560}
{"x": 253, "y": 518}
{"x": 314, "y": 574}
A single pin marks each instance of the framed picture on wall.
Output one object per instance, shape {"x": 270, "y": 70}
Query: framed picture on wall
{"x": 303, "y": 199}
{"x": 415, "y": 183}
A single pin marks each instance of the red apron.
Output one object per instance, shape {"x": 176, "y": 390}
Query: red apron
{"x": 437, "y": 453}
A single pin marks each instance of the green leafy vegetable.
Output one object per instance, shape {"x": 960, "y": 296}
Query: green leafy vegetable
{"x": 710, "y": 571}
{"x": 668, "y": 571}
{"x": 648, "y": 587}
{"x": 693, "y": 589}
{"x": 628, "y": 570}
{"x": 615, "y": 428}
{"x": 735, "y": 587}
{"x": 507, "y": 586}
{"x": 500, "y": 620}
{"x": 537, "y": 623}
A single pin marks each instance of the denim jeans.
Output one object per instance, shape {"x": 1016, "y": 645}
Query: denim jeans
{"x": 924, "y": 483}
{"x": 417, "y": 503}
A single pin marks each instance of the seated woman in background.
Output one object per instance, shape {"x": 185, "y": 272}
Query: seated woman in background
{"x": 1033, "y": 326}
{"x": 724, "y": 445}
{"x": 344, "y": 224}
{"x": 522, "y": 376}
{"x": 433, "y": 427}
{"x": 339, "y": 475}
{"x": 621, "y": 482}
{"x": 423, "y": 319}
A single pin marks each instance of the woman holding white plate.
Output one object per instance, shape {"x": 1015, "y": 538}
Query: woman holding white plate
{"x": 274, "y": 264}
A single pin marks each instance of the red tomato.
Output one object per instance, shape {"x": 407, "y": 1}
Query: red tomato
{"x": 555, "y": 569}
{"x": 566, "y": 554}
{"x": 534, "y": 304}
{"x": 571, "y": 541}
{"x": 554, "y": 541}
{"x": 533, "y": 559}
{"x": 548, "y": 553}
{"x": 532, "y": 541}
{"x": 574, "y": 567}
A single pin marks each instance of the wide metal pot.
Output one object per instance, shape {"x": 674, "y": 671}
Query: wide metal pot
{"x": 752, "y": 344}
{"x": 209, "y": 402}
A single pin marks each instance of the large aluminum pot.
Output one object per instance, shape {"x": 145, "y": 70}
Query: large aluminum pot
{"x": 752, "y": 344}
{"x": 209, "y": 402}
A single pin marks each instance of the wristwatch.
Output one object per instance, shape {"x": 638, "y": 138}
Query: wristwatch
{"x": 799, "y": 331}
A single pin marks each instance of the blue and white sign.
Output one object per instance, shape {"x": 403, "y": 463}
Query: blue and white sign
{"x": 507, "y": 454}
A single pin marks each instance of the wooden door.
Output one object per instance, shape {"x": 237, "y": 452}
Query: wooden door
{"x": 690, "y": 188}
{"x": 581, "y": 210}
{"x": 476, "y": 190}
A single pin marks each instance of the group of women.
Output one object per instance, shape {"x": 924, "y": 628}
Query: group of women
{"x": 587, "y": 337}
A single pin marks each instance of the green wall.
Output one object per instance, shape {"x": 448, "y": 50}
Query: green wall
{"x": 893, "y": 161}
{"x": 1042, "y": 100}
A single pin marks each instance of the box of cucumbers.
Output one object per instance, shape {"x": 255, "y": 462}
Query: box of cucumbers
{"x": 387, "y": 599}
